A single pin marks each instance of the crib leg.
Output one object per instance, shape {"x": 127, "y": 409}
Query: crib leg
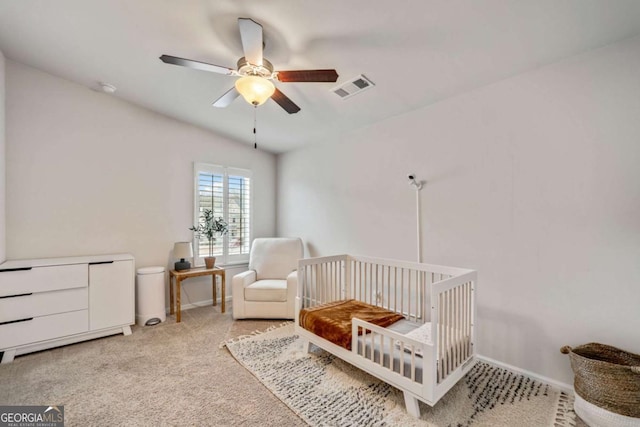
{"x": 412, "y": 405}
{"x": 306, "y": 346}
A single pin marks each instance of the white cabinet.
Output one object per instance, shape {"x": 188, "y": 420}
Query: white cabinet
{"x": 51, "y": 302}
{"x": 111, "y": 294}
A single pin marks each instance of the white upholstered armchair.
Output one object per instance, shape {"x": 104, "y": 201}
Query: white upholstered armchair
{"x": 268, "y": 289}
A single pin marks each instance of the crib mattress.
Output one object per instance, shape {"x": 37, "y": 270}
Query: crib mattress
{"x": 332, "y": 321}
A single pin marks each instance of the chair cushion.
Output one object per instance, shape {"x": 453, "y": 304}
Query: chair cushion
{"x": 275, "y": 258}
{"x": 266, "y": 290}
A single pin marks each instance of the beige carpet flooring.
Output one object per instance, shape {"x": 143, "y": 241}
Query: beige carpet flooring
{"x": 172, "y": 374}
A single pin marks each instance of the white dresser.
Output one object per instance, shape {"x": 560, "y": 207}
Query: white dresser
{"x": 46, "y": 303}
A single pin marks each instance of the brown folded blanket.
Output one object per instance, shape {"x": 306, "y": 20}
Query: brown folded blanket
{"x": 332, "y": 321}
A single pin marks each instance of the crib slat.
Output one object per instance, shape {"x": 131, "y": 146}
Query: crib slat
{"x": 413, "y": 363}
{"x": 328, "y": 281}
{"x": 454, "y": 330}
{"x": 444, "y": 335}
{"x": 327, "y": 276}
{"x": 469, "y": 320}
{"x": 401, "y": 358}
{"x": 303, "y": 285}
{"x": 389, "y": 288}
{"x": 369, "y": 283}
{"x": 417, "y": 295}
{"x": 439, "y": 335}
{"x": 363, "y": 282}
{"x": 338, "y": 280}
{"x": 402, "y": 290}
{"x": 454, "y": 314}
{"x": 460, "y": 330}
{"x": 377, "y": 295}
{"x": 447, "y": 325}
{"x": 360, "y": 295}
{"x": 462, "y": 325}
{"x": 306, "y": 288}
{"x": 395, "y": 289}
{"x": 448, "y": 330}
{"x": 314, "y": 284}
{"x": 457, "y": 338}
{"x": 466, "y": 320}
{"x": 323, "y": 289}
{"x": 334, "y": 283}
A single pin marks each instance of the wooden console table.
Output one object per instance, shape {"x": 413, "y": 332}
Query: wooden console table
{"x": 194, "y": 272}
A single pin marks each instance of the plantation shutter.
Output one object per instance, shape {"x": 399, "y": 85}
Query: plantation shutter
{"x": 239, "y": 214}
{"x": 210, "y": 195}
{"x": 227, "y": 192}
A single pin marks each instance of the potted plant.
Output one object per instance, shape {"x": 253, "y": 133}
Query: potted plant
{"x": 210, "y": 227}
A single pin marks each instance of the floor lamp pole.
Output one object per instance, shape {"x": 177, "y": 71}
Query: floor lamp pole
{"x": 418, "y": 226}
{"x": 417, "y": 185}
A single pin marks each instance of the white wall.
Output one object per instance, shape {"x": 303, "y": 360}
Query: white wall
{"x": 2, "y": 161}
{"x": 90, "y": 174}
{"x": 533, "y": 181}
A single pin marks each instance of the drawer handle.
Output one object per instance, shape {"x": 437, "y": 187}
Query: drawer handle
{"x": 16, "y": 321}
{"x": 6, "y": 270}
{"x": 18, "y": 295}
{"x": 101, "y": 262}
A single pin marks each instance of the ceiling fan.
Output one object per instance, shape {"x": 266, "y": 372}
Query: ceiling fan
{"x": 255, "y": 72}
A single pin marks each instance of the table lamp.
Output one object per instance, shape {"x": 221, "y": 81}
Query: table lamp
{"x": 182, "y": 250}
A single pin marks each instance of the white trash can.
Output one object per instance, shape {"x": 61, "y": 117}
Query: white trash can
{"x": 150, "y": 308}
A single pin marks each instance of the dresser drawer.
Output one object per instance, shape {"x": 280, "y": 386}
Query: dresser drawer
{"x": 43, "y": 303}
{"x": 43, "y": 328}
{"x": 42, "y": 279}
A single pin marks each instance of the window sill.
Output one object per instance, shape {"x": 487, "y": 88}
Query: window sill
{"x": 227, "y": 265}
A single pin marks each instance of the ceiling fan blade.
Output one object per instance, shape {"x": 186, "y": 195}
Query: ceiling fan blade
{"x": 167, "y": 59}
{"x": 284, "y": 101}
{"x": 226, "y": 99}
{"x": 251, "y": 35}
{"x": 308, "y": 76}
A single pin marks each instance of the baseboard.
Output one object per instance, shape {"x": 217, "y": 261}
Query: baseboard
{"x": 202, "y": 303}
{"x": 560, "y": 385}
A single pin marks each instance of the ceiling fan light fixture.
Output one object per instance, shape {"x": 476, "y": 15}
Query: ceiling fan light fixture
{"x": 255, "y": 90}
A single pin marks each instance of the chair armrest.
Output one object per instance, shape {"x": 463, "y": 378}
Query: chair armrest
{"x": 292, "y": 280}
{"x": 292, "y": 293}
{"x": 238, "y": 283}
{"x": 242, "y": 280}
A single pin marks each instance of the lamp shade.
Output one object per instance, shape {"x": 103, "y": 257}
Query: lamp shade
{"x": 255, "y": 90}
{"x": 182, "y": 250}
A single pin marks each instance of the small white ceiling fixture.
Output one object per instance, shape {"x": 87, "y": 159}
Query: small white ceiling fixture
{"x": 107, "y": 88}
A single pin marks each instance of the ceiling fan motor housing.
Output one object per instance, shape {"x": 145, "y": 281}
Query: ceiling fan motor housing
{"x": 245, "y": 68}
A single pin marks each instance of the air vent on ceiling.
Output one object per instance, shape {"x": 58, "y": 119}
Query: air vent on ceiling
{"x": 354, "y": 86}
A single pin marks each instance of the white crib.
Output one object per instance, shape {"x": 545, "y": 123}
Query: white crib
{"x": 422, "y": 293}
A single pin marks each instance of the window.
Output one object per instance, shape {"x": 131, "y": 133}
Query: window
{"x": 227, "y": 192}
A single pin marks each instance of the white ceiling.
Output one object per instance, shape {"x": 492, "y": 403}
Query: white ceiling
{"x": 416, "y": 51}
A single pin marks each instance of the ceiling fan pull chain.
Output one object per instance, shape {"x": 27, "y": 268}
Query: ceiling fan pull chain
{"x": 255, "y": 113}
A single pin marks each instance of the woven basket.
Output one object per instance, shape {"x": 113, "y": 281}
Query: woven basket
{"x": 607, "y": 377}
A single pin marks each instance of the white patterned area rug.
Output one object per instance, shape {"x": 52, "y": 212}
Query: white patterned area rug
{"x": 326, "y": 391}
